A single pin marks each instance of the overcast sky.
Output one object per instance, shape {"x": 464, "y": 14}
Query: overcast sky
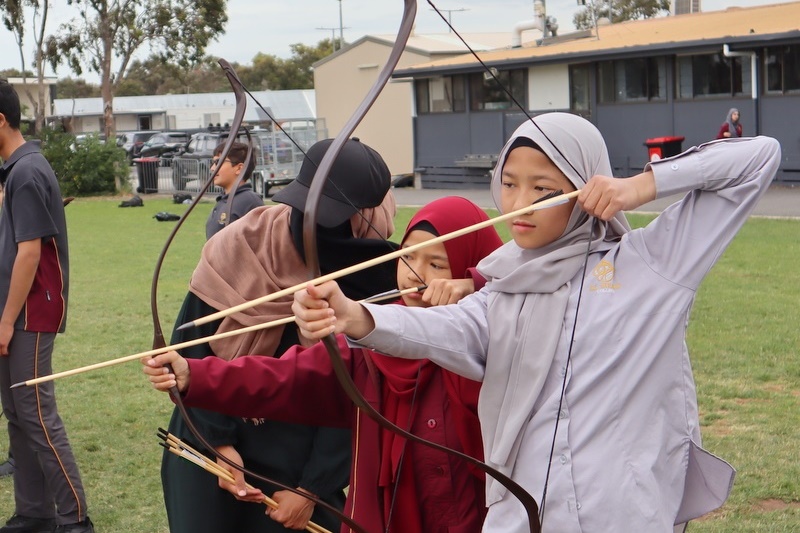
{"x": 270, "y": 26}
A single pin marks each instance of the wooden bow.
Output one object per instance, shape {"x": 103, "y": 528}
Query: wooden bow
{"x": 158, "y": 336}
{"x": 312, "y": 262}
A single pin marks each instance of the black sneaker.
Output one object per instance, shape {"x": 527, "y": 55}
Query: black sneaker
{"x": 27, "y": 524}
{"x": 81, "y": 527}
{"x": 6, "y": 469}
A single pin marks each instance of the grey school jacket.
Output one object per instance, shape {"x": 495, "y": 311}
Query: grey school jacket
{"x": 627, "y": 450}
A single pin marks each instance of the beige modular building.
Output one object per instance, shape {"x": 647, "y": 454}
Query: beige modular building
{"x": 27, "y": 89}
{"x": 343, "y": 79}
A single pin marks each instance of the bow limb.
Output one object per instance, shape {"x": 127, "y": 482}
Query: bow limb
{"x": 238, "y": 118}
{"x": 312, "y": 262}
{"x": 158, "y": 336}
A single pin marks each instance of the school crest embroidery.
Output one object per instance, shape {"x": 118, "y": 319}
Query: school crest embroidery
{"x": 603, "y": 275}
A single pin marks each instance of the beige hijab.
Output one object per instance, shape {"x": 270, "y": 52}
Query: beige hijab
{"x": 529, "y": 290}
{"x": 256, "y": 256}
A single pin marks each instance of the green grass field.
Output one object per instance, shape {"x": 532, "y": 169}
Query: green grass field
{"x": 743, "y": 338}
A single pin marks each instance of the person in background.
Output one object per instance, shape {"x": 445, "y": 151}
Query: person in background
{"x": 731, "y": 127}
{"x": 34, "y": 287}
{"x": 394, "y": 485}
{"x": 243, "y": 199}
{"x": 579, "y": 336}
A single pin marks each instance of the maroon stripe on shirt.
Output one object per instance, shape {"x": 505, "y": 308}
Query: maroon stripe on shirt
{"x": 45, "y": 306}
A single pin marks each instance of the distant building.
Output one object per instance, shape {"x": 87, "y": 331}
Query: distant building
{"x": 28, "y": 90}
{"x": 184, "y": 111}
{"x": 683, "y": 7}
{"x": 635, "y": 80}
{"x": 342, "y": 79}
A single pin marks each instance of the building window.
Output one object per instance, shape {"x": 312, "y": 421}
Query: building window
{"x": 487, "y": 94}
{"x": 632, "y": 80}
{"x": 783, "y": 69}
{"x": 144, "y": 122}
{"x": 422, "y": 95}
{"x": 441, "y": 95}
{"x": 713, "y": 75}
{"x": 579, "y": 88}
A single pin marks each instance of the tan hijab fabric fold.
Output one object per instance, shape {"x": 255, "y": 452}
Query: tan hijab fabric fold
{"x": 529, "y": 290}
{"x": 256, "y": 256}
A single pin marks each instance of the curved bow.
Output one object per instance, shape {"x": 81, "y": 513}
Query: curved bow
{"x": 312, "y": 262}
{"x": 158, "y": 335}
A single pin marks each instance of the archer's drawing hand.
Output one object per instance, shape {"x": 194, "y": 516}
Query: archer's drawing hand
{"x": 293, "y": 510}
{"x": 324, "y": 309}
{"x": 447, "y": 291}
{"x": 239, "y": 488}
{"x": 159, "y": 375}
{"x": 603, "y": 196}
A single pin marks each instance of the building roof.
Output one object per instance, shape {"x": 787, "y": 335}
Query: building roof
{"x": 32, "y": 80}
{"x": 431, "y": 44}
{"x": 734, "y": 26}
{"x": 283, "y": 105}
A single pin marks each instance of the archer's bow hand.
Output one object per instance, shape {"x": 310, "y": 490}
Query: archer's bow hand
{"x": 155, "y": 368}
{"x": 604, "y": 196}
{"x": 324, "y": 309}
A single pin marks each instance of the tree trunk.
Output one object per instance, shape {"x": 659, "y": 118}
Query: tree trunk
{"x": 106, "y": 90}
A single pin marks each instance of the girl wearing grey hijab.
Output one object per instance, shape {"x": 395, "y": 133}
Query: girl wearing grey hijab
{"x": 731, "y": 127}
{"x": 587, "y": 393}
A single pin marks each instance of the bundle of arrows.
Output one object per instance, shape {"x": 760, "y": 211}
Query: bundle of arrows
{"x": 181, "y": 449}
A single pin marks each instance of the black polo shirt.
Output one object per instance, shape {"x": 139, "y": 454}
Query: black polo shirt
{"x": 33, "y": 209}
{"x": 244, "y": 200}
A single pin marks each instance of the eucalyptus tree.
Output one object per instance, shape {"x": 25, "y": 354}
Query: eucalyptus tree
{"x": 106, "y": 35}
{"x": 618, "y": 11}
{"x": 13, "y": 16}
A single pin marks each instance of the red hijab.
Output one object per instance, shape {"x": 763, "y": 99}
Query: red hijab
{"x": 405, "y": 378}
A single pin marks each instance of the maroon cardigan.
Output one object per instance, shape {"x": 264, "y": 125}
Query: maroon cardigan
{"x": 301, "y": 387}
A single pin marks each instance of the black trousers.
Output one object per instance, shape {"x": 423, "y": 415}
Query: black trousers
{"x": 47, "y": 483}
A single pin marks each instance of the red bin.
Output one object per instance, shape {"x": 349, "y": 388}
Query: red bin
{"x": 661, "y": 147}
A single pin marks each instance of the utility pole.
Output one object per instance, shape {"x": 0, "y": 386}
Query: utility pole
{"x": 450, "y": 14}
{"x": 341, "y": 26}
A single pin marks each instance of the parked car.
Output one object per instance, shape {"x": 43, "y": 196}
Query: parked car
{"x": 193, "y": 161}
{"x": 164, "y": 145}
{"x": 132, "y": 142}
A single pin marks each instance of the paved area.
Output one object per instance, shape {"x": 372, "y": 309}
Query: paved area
{"x": 779, "y": 201}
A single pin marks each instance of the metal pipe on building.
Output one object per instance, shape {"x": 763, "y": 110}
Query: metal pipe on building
{"x": 536, "y": 23}
{"x": 726, "y": 51}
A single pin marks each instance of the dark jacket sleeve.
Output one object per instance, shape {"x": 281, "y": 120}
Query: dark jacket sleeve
{"x": 218, "y": 429}
{"x": 299, "y": 387}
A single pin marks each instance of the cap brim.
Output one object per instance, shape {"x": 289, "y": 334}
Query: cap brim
{"x": 330, "y": 213}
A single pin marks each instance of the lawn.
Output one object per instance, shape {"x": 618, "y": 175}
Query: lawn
{"x": 743, "y": 338}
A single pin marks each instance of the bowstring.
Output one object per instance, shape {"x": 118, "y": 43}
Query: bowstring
{"x": 586, "y": 257}
{"x": 338, "y": 189}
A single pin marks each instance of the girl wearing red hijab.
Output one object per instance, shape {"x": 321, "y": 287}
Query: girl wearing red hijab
{"x": 394, "y": 485}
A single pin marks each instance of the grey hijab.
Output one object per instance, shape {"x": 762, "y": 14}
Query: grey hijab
{"x": 529, "y": 290}
{"x": 733, "y": 126}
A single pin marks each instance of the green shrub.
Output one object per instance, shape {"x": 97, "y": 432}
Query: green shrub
{"x": 87, "y": 167}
